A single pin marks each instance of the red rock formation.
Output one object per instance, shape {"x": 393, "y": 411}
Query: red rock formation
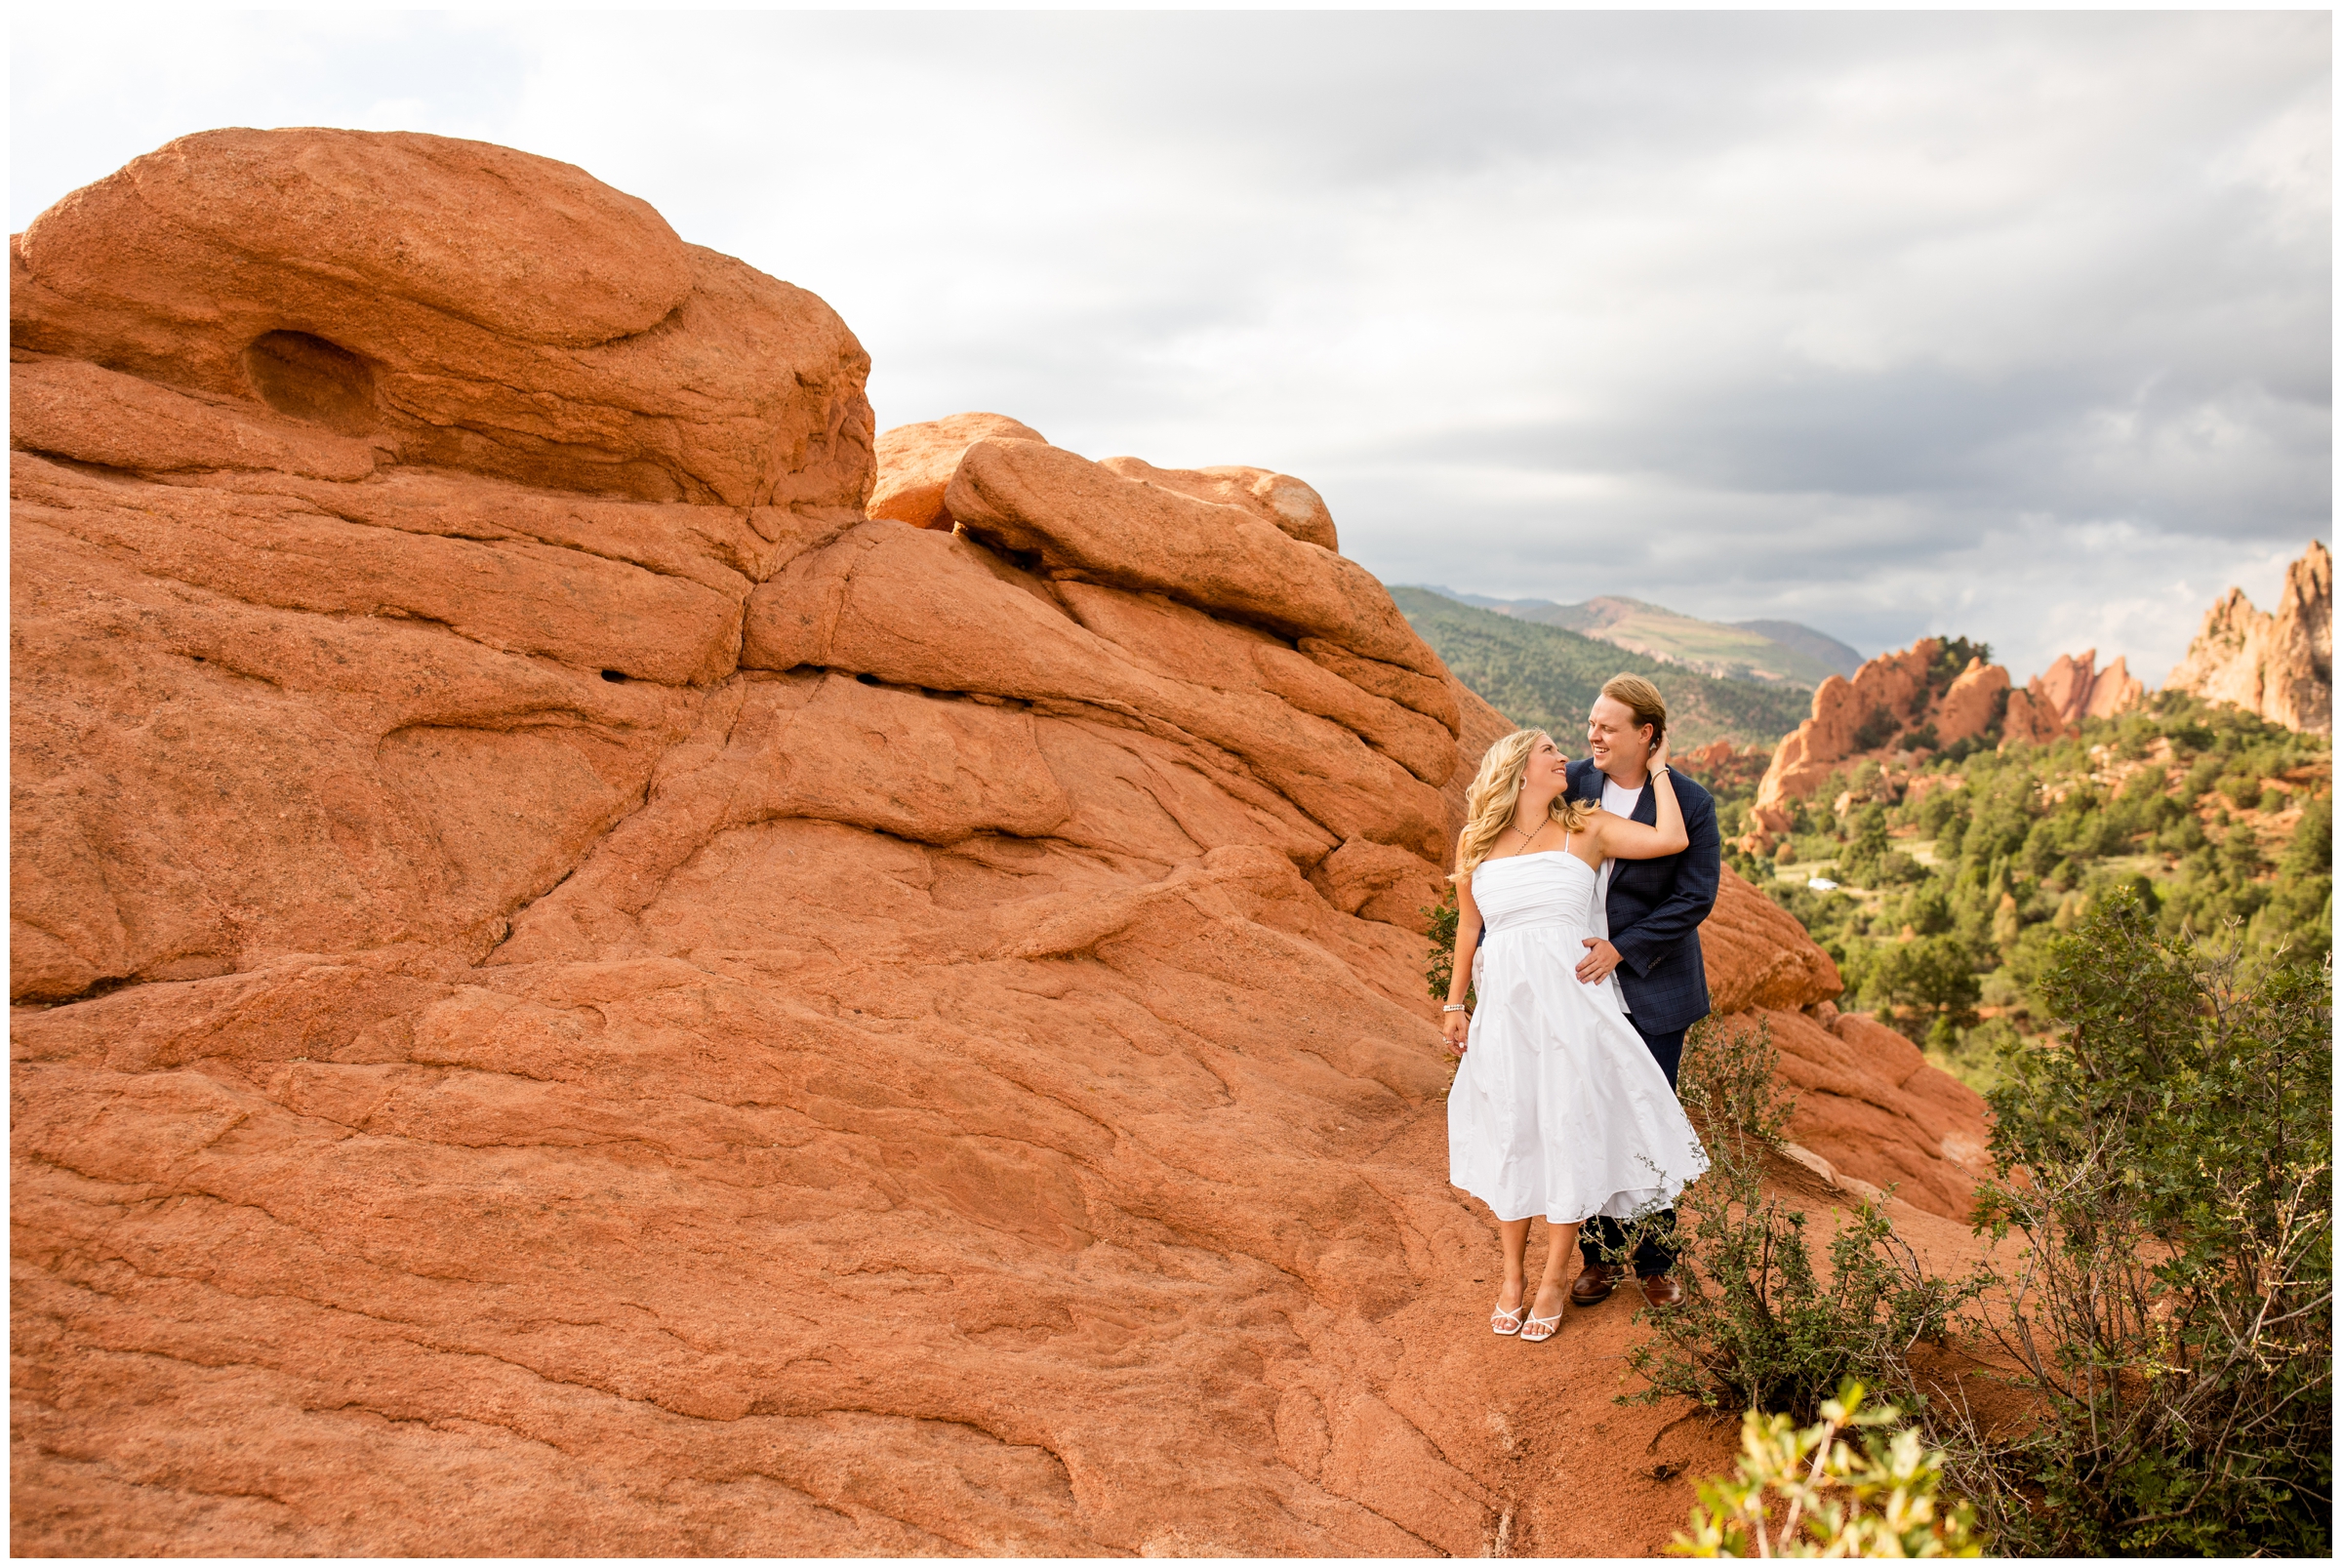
{"x": 1895, "y": 684}
{"x": 1891, "y": 694}
{"x": 581, "y": 995}
{"x": 1717, "y": 763}
{"x": 2280, "y": 667}
{"x": 1872, "y": 1105}
{"x": 529, "y": 322}
{"x": 1889, "y": 697}
{"x": 916, "y": 462}
{"x": 2032, "y": 719}
{"x": 2076, "y": 689}
{"x": 2054, "y": 702}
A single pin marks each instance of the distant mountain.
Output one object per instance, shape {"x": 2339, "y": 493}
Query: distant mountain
{"x": 1780, "y": 652}
{"x": 1546, "y": 676}
{"x": 1818, "y": 645}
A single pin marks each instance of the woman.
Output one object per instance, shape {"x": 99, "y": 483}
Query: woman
{"x": 1558, "y": 1106}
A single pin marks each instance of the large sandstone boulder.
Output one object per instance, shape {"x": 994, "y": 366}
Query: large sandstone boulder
{"x": 2031, "y": 719}
{"x": 454, "y": 305}
{"x": 2279, "y": 665}
{"x": 1276, "y": 499}
{"x": 1757, "y": 955}
{"x": 916, "y": 462}
{"x": 579, "y": 994}
{"x": 1977, "y": 696}
{"x": 1081, "y": 519}
{"x": 1876, "y": 1110}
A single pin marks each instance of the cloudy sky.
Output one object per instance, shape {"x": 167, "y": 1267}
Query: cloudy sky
{"x": 2017, "y": 327}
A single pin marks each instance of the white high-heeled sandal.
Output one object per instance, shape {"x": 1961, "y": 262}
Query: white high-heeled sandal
{"x": 1506, "y": 1323}
{"x": 1551, "y": 1326}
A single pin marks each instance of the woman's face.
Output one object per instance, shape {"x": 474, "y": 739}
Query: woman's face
{"x": 1548, "y": 768}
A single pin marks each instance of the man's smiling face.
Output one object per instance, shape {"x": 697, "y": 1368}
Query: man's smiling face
{"x": 1613, "y": 738}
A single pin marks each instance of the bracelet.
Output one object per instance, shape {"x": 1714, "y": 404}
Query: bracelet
{"x": 1455, "y": 1007}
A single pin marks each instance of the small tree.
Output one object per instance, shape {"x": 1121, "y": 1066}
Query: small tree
{"x": 1931, "y": 975}
{"x": 2166, "y": 1160}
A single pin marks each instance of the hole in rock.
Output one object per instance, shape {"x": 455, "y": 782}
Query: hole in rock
{"x": 614, "y": 674}
{"x": 867, "y": 680}
{"x": 311, "y": 379}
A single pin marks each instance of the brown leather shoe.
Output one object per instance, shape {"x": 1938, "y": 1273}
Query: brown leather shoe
{"x": 1593, "y": 1287}
{"x": 1661, "y": 1290}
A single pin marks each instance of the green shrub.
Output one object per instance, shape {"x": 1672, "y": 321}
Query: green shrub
{"x": 1806, "y": 1494}
{"x": 1865, "y": 844}
{"x": 1816, "y": 847}
{"x": 1439, "y": 969}
{"x": 1898, "y": 870}
{"x": 2200, "y": 778}
{"x": 2167, "y": 1162}
{"x": 1878, "y": 728}
{"x": 1756, "y": 1329}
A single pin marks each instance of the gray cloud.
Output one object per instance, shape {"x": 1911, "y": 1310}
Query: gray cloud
{"x": 2013, "y": 324}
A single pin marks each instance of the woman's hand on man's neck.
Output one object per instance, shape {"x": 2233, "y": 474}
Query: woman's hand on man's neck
{"x": 1629, "y": 775}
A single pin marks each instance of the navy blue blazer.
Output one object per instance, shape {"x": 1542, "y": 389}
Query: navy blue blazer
{"x": 1656, "y": 907}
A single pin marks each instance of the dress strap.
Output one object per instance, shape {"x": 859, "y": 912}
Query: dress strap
{"x": 1566, "y": 841}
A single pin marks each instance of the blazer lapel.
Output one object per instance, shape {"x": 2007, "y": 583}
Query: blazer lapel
{"x": 1646, "y": 806}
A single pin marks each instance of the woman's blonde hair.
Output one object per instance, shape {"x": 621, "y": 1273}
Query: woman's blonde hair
{"x": 1495, "y": 794}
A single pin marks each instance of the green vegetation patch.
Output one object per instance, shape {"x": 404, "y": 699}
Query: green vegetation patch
{"x": 1952, "y": 889}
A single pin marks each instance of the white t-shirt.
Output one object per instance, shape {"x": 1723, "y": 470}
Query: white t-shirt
{"x": 1619, "y": 803}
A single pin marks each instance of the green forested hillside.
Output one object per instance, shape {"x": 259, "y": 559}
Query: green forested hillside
{"x": 2220, "y": 823}
{"x": 1546, "y": 678}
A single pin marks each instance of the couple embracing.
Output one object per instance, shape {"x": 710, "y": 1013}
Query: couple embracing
{"x": 1581, "y": 889}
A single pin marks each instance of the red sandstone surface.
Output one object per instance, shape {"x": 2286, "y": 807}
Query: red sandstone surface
{"x": 586, "y": 986}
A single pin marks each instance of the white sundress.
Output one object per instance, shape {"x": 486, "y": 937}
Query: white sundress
{"x": 1558, "y": 1108}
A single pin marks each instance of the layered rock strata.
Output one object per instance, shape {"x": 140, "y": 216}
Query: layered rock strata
{"x": 581, "y": 993}
{"x": 2278, "y": 665}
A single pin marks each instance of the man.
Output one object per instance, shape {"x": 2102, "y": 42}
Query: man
{"x": 1655, "y": 909}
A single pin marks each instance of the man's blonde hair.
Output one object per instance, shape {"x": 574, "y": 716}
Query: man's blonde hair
{"x": 1642, "y": 698}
